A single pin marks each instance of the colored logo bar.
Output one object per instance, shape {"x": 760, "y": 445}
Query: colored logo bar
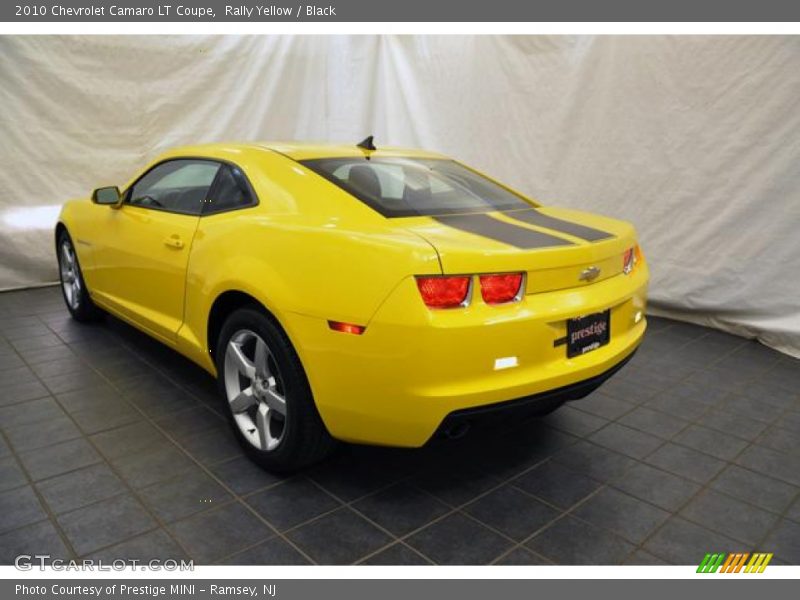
{"x": 736, "y": 562}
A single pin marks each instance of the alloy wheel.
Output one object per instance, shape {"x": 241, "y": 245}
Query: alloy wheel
{"x": 255, "y": 390}
{"x": 70, "y": 275}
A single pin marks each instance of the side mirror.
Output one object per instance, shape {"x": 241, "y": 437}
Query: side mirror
{"x": 106, "y": 195}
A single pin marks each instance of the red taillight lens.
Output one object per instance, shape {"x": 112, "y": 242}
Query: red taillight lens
{"x": 443, "y": 292}
{"x": 630, "y": 259}
{"x": 499, "y": 289}
{"x": 627, "y": 261}
{"x": 346, "y": 327}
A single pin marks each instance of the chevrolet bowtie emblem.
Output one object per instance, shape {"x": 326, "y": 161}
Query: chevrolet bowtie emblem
{"x": 589, "y": 274}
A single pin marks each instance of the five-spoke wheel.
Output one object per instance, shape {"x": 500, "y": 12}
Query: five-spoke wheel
{"x": 270, "y": 403}
{"x": 255, "y": 390}
{"x": 76, "y": 296}
{"x": 70, "y": 278}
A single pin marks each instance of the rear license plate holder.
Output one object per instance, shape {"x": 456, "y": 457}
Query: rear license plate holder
{"x": 588, "y": 333}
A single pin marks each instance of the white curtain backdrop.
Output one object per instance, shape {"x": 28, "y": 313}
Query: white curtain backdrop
{"x": 696, "y": 140}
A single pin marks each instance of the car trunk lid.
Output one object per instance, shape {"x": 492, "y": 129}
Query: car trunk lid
{"x": 556, "y": 248}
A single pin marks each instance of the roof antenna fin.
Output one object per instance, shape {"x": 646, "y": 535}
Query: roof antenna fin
{"x": 366, "y": 143}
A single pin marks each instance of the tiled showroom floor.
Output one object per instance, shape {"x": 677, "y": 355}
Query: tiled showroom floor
{"x": 113, "y": 446}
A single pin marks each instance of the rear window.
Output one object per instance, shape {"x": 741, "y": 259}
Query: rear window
{"x": 405, "y": 187}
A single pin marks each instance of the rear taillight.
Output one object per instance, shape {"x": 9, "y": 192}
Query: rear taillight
{"x": 631, "y": 258}
{"x": 502, "y": 288}
{"x": 444, "y": 292}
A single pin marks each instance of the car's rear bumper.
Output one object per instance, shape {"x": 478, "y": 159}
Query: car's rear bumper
{"x": 465, "y": 419}
{"x": 413, "y": 367}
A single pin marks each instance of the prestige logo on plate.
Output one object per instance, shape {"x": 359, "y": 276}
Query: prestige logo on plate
{"x": 596, "y": 328}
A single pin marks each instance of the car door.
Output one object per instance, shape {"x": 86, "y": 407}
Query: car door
{"x": 142, "y": 249}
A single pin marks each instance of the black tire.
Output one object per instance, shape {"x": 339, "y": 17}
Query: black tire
{"x": 304, "y": 438}
{"x": 80, "y": 306}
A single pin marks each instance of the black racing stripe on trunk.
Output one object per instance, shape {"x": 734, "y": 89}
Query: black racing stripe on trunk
{"x": 534, "y": 217}
{"x": 486, "y": 226}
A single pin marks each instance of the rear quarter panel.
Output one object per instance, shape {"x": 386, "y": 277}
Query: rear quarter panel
{"x": 307, "y": 249}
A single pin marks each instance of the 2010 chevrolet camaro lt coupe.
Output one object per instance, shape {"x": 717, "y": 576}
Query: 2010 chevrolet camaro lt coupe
{"x": 346, "y": 292}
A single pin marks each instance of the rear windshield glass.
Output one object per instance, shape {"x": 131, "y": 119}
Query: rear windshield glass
{"x": 405, "y": 187}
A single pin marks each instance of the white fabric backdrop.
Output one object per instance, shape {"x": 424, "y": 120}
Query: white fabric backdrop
{"x": 694, "y": 139}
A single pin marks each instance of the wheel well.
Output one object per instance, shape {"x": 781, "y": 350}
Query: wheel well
{"x": 223, "y": 306}
{"x": 59, "y": 228}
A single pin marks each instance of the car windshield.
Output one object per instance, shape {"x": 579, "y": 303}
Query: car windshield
{"x": 405, "y": 187}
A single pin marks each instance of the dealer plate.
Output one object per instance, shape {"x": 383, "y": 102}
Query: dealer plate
{"x": 588, "y": 333}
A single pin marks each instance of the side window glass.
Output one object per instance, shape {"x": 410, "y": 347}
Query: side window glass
{"x": 230, "y": 191}
{"x": 177, "y": 186}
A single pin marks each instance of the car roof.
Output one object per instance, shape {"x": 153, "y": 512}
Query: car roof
{"x": 299, "y": 150}
{"x": 303, "y": 151}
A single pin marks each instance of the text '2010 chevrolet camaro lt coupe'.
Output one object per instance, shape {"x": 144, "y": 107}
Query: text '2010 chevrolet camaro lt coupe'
{"x": 346, "y": 292}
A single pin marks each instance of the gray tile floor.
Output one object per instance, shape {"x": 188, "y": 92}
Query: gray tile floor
{"x": 113, "y": 446}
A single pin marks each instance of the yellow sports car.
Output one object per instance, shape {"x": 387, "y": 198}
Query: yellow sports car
{"x": 369, "y": 295}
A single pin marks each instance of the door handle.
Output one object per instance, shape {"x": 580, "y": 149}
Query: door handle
{"x": 174, "y": 241}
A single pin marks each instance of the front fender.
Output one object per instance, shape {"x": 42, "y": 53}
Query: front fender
{"x": 77, "y": 218}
